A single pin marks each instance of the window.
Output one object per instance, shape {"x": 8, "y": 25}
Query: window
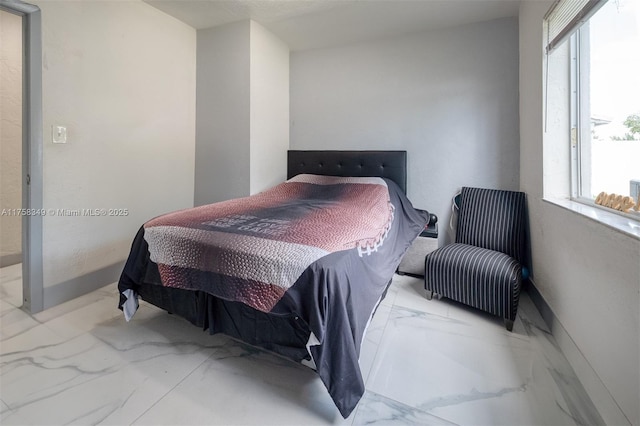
{"x": 605, "y": 107}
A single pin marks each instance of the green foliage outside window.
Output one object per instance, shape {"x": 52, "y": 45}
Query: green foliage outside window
{"x": 633, "y": 124}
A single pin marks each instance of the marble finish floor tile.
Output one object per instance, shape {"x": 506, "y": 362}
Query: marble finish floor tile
{"x": 251, "y": 387}
{"x": 11, "y": 284}
{"x": 5, "y": 307}
{"x": 91, "y": 379}
{"x": 375, "y": 409}
{"x": 410, "y": 293}
{"x": 93, "y": 310}
{"x": 4, "y": 410}
{"x": 462, "y": 371}
{"x": 14, "y": 321}
{"x": 372, "y": 338}
{"x": 424, "y": 362}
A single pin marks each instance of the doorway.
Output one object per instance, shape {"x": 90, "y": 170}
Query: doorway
{"x": 11, "y": 157}
{"x": 26, "y": 122}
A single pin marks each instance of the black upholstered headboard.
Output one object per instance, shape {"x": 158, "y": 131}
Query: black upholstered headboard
{"x": 388, "y": 164}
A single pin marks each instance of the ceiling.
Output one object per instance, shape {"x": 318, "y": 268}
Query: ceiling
{"x": 308, "y": 24}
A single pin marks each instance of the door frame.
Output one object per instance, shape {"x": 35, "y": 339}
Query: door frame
{"x": 32, "y": 180}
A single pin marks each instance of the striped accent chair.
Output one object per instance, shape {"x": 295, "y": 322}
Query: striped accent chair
{"x": 483, "y": 267}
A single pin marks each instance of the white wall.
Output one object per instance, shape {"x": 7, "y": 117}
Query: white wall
{"x": 223, "y": 116}
{"x": 242, "y": 127}
{"x": 121, "y": 77}
{"x": 10, "y": 136}
{"x": 588, "y": 273}
{"x": 449, "y": 97}
{"x": 269, "y": 88}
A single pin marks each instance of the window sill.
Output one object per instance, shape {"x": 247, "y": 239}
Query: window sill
{"x": 615, "y": 221}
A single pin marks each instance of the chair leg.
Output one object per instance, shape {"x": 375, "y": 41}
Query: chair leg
{"x": 508, "y": 324}
{"x": 429, "y": 294}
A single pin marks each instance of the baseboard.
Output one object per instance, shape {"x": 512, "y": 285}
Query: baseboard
{"x": 75, "y": 287}
{"x": 10, "y": 259}
{"x": 597, "y": 391}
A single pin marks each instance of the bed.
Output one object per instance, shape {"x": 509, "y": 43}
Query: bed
{"x": 298, "y": 269}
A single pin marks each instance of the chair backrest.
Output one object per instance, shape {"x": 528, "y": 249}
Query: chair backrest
{"x": 492, "y": 219}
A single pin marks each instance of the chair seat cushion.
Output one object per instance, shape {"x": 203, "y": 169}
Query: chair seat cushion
{"x": 478, "y": 277}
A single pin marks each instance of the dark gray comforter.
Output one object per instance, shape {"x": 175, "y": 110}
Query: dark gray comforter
{"x": 331, "y": 286}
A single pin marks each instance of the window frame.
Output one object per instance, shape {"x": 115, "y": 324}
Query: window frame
{"x": 580, "y": 122}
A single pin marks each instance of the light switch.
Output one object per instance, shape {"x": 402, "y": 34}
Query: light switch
{"x": 59, "y": 134}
